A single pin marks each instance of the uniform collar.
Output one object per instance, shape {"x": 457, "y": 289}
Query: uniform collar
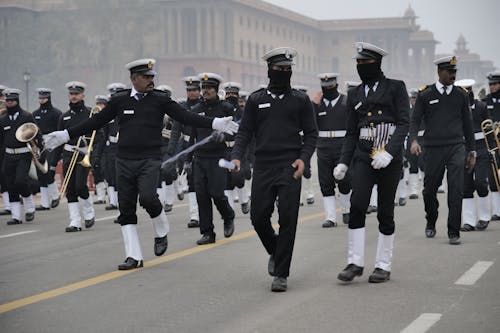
{"x": 134, "y": 92}
{"x": 274, "y": 95}
{"x": 333, "y": 101}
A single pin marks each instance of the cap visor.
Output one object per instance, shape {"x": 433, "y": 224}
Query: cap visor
{"x": 283, "y": 63}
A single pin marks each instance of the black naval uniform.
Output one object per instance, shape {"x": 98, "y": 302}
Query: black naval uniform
{"x": 17, "y": 158}
{"x": 444, "y": 148}
{"x": 331, "y": 120}
{"x": 47, "y": 119}
{"x": 77, "y": 185}
{"x": 209, "y": 178}
{"x": 416, "y": 162}
{"x": 493, "y": 107}
{"x": 235, "y": 179}
{"x": 169, "y": 173}
{"x": 388, "y": 104}
{"x": 276, "y": 121}
{"x": 111, "y": 134}
{"x": 138, "y": 157}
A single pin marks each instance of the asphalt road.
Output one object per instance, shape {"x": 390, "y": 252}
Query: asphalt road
{"x": 51, "y": 281}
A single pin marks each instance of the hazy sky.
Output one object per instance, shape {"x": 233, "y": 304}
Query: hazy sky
{"x": 477, "y": 20}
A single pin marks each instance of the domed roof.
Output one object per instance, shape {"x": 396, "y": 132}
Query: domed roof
{"x": 410, "y": 12}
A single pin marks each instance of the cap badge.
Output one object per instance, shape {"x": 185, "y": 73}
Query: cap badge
{"x": 287, "y": 54}
{"x": 360, "y": 48}
{"x": 205, "y": 78}
{"x": 453, "y": 61}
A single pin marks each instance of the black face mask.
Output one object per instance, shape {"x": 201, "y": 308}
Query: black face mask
{"x": 279, "y": 81}
{"x": 330, "y": 93}
{"x": 12, "y": 110}
{"x": 232, "y": 100}
{"x": 47, "y": 104}
{"x": 369, "y": 73}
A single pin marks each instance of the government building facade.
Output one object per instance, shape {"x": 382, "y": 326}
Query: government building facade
{"x": 90, "y": 41}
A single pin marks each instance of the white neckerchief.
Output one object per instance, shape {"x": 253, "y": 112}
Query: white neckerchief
{"x": 374, "y": 88}
{"x": 274, "y": 96}
{"x": 440, "y": 88}
{"x": 134, "y": 92}
{"x": 333, "y": 101}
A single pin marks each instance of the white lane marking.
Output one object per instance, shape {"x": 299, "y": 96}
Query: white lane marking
{"x": 19, "y": 233}
{"x": 422, "y": 323}
{"x": 474, "y": 273}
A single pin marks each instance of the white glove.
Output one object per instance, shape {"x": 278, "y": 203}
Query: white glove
{"x": 340, "y": 171}
{"x": 381, "y": 159}
{"x": 226, "y": 125}
{"x": 53, "y": 140}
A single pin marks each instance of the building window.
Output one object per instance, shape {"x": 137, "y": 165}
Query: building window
{"x": 257, "y": 52}
{"x": 189, "y": 30}
{"x": 249, "y": 24}
{"x": 249, "y": 50}
{"x": 242, "y": 51}
{"x": 335, "y": 64}
{"x": 410, "y": 52}
{"x": 241, "y": 20}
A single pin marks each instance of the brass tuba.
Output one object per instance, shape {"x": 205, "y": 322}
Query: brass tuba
{"x": 491, "y": 130}
{"x": 27, "y": 132}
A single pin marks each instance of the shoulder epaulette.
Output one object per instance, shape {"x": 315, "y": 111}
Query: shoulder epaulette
{"x": 121, "y": 93}
{"x": 464, "y": 90}
{"x": 422, "y": 88}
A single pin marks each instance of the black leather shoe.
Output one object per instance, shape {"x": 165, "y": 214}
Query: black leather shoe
{"x": 379, "y": 275}
{"x": 371, "y": 209}
{"x": 89, "y": 223}
{"x": 413, "y": 196}
{"x": 345, "y": 218}
{"x": 5, "y": 212}
{"x": 482, "y": 225}
{"x": 279, "y": 284}
{"x": 54, "y": 203}
{"x": 14, "y": 221}
{"x": 99, "y": 202}
{"x": 270, "y": 265}
{"x": 161, "y": 245}
{"x": 116, "y": 221}
{"x": 329, "y": 224}
{"x": 310, "y": 201}
{"x": 180, "y": 196}
{"x": 168, "y": 208}
{"x": 495, "y": 217}
{"x": 402, "y": 201}
{"x": 110, "y": 207}
{"x": 467, "y": 227}
{"x": 350, "y": 272}
{"x": 228, "y": 228}
{"x": 193, "y": 224}
{"x": 454, "y": 240}
{"x": 207, "y": 238}
{"x": 41, "y": 208}
{"x": 245, "y": 208}
{"x": 73, "y": 229}
{"x": 130, "y": 263}
{"x": 29, "y": 216}
{"x": 430, "y": 232}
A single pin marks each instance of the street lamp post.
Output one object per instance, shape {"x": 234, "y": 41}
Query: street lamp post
{"x": 27, "y": 78}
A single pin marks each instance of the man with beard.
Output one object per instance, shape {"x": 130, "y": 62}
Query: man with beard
{"x": 331, "y": 115}
{"x": 444, "y": 106}
{"x": 180, "y": 140}
{"x": 493, "y": 106}
{"x": 275, "y": 116}
{"x": 47, "y": 118}
{"x": 236, "y": 179}
{"x": 377, "y": 124}
{"x": 140, "y": 113}
{"x": 77, "y": 185}
{"x": 210, "y": 179}
{"x": 17, "y": 159}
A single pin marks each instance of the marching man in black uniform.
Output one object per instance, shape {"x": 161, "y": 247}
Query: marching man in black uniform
{"x": 96, "y": 156}
{"x": 77, "y": 185}
{"x": 47, "y": 119}
{"x": 444, "y": 106}
{"x": 330, "y": 108}
{"x": 493, "y": 106}
{"x": 377, "y": 124}
{"x": 3, "y": 179}
{"x": 139, "y": 112}
{"x": 17, "y": 158}
{"x": 477, "y": 180}
{"x": 416, "y": 162}
{"x": 275, "y": 116}
{"x": 209, "y": 178}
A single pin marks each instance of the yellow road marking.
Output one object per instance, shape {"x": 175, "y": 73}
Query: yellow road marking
{"x": 117, "y": 274}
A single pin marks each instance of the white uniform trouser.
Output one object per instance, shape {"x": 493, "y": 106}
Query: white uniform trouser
{"x": 45, "y": 198}
{"x": 112, "y": 196}
{"x": 413, "y": 183}
{"x": 356, "y": 247}
{"x": 469, "y": 212}
{"x": 100, "y": 191}
{"x": 29, "y": 204}
{"x": 169, "y": 194}
{"x": 193, "y": 206}
{"x": 345, "y": 202}
{"x": 131, "y": 242}
{"x": 243, "y": 194}
{"x": 385, "y": 245}
{"x": 230, "y": 197}
{"x": 161, "y": 191}
{"x": 374, "y": 196}
{"x": 5, "y": 199}
{"x": 15, "y": 210}
{"x": 330, "y": 208}
{"x": 88, "y": 208}
{"x": 53, "y": 191}
{"x": 75, "y": 219}
{"x": 495, "y": 203}
{"x": 483, "y": 208}
{"x": 161, "y": 227}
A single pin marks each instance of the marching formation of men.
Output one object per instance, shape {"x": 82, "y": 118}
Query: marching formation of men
{"x": 373, "y": 145}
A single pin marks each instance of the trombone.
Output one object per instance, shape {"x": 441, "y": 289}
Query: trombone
{"x": 491, "y": 130}
{"x": 27, "y": 132}
{"x": 85, "y": 162}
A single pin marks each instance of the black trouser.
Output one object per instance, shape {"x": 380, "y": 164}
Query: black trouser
{"x": 491, "y": 177}
{"x": 235, "y": 179}
{"x": 364, "y": 177}
{"x": 416, "y": 162}
{"x": 137, "y": 178}
{"x": 110, "y": 166}
{"x": 3, "y": 178}
{"x": 77, "y": 185}
{"x": 328, "y": 159}
{"x": 478, "y": 179}
{"x": 437, "y": 158}
{"x": 267, "y": 184}
{"x": 97, "y": 171}
{"x": 210, "y": 182}
{"x": 168, "y": 173}
{"x": 44, "y": 179}
{"x": 16, "y": 169}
